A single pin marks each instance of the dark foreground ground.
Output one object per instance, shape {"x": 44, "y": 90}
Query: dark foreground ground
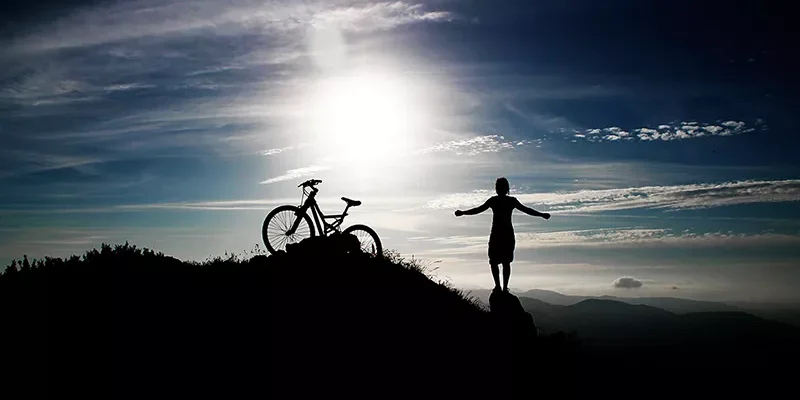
{"x": 126, "y": 323}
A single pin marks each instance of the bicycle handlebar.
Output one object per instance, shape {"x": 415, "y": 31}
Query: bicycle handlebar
{"x": 310, "y": 182}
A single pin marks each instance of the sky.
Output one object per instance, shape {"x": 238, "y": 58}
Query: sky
{"x": 660, "y": 135}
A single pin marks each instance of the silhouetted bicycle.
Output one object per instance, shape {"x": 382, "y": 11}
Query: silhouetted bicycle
{"x": 290, "y": 224}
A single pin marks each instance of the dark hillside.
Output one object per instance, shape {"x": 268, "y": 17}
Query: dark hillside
{"x": 639, "y": 339}
{"x": 123, "y": 322}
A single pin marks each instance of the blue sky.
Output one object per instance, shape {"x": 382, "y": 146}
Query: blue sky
{"x": 660, "y": 135}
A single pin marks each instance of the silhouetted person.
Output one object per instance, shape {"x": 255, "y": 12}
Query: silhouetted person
{"x": 501, "y": 239}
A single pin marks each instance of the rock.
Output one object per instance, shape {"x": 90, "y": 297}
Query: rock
{"x": 506, "y": 308}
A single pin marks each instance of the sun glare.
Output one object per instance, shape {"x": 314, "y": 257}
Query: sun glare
{"x": 366, "y": 116}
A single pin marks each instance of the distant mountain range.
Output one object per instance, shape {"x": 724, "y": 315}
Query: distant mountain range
{"x": 650, "y": 331}
{"x": 674, "y": 305}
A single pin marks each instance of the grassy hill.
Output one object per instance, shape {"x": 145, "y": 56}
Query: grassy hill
{"x": 126, "y": 322}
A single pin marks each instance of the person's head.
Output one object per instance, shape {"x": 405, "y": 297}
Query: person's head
{"x": 501, "y": 186}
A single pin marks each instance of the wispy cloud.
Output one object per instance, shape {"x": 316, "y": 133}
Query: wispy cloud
{"x": 225, "y": 205}
{"x": 475, "y": 145}
{"x": 637, "y": 237}
{"x": 34, "y": 161}
{"x": 216, "y": 205}
{"x": 45, "y": 87}
{"x": 701, "y": 195}
{"x": 666, "y": 132}
{"x": 118, "y": 87}
{"x": 146, "y": 18}
{"x": 297, "y": 173}
{"x": 379, "y": 16}
{"x": 614, "y": 238}
{"x": 272, "y": 152}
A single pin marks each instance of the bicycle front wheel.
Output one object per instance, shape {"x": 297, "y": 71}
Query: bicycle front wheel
{"x": 370, "y": 242}
{"x": 275, "y": 231}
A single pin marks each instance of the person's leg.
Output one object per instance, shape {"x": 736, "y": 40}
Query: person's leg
{"x": 496, "y": 276}
{"x": 506, "y": 274}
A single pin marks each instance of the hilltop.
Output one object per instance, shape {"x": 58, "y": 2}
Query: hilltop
{"x": 130, "y": 322}
{"x": 323, "y": 320}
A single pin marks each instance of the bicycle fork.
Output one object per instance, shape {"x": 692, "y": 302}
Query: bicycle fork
{"x": 296, "y": 224}
{"x": 302, "y": 211}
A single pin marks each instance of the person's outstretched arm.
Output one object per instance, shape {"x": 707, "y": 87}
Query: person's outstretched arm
{"x": 473, "y": 211}
{"x": 531, "y": 212}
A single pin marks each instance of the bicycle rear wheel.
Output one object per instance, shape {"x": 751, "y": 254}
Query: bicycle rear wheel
{"x": 278, "y": 222}
{"x": 370, "y": 242}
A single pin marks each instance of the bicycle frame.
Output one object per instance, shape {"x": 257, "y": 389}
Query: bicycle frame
{"x": 319, "y": 217}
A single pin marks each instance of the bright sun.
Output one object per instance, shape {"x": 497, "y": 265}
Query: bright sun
{"x": 366, "y": 116}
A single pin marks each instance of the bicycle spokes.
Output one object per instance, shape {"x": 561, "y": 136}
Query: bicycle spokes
{"x": 284, "y": 226}
{"x": 367, "y": 238}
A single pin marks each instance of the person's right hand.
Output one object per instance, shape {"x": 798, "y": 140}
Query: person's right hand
{"x": 459, "y": 213}
{"x": 546, "y": 215}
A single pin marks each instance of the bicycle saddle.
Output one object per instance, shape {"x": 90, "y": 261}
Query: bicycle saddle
{"x": 351, "y": 203}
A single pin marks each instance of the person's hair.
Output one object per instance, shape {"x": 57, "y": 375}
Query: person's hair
{"x": 501, "y": 186}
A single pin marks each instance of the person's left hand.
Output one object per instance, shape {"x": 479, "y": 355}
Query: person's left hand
{"x": 546, "y": 215}
{"x": 459, "y": 213}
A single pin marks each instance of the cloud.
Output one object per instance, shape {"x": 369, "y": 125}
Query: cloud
{"x": 272, "y": 152}
{"x": 618, "y": 238}
{"x": 225, "y": 205}
{"x": 123, "y": 21}
{"x": 34, "y": 161}
{"x": 215, "y": 205}
{"x": 627, "y": 282}
{"x": 126, "y": 86}
{"x": 734, "y": 124}
{"x": 164, "y": 81}
{"x": 475, "y": 146}
{"x": 378, "y": 16}
{"x": 666, "y": 133}
{"x": 297, "y": 173}
{"x": 639, "y": 238}
{"x": 693, "y": 196}
{"x": 45, "y": 86}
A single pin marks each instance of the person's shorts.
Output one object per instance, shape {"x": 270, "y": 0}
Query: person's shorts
{"x": 501, "y": 248}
